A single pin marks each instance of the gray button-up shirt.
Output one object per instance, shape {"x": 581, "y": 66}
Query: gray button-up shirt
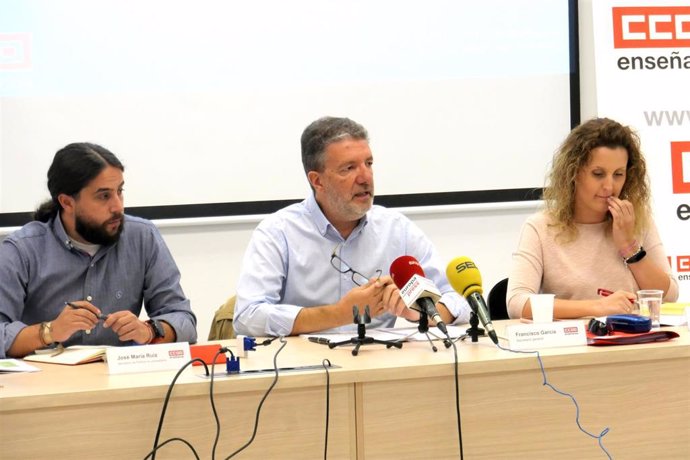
{"x": 40, "y": 270}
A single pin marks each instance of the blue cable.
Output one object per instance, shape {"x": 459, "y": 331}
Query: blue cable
{"x": 563, "y": 393}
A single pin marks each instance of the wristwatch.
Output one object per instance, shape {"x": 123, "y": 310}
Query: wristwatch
{"x": 639, "y": 255}
{"x": 45, "y": 333}
{"x": 157, "y": 329}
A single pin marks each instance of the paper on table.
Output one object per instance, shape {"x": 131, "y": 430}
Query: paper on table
{"x": 392, "y": 333}
{"x": 340, "y": 337}
{"x": 453, "y": 331}
{"x": 673, "y": 320}
{"x": 674, "y": 308}
{"x": 15, "y": 365}
{"x": 674, "y": 314}
{"x": 76, "y": 354}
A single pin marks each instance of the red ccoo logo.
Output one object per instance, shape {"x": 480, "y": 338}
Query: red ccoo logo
{"x": 651, "y": 27}
{"x": 15, "y": 51}
{"x": 680, "y": 166}
{"x": 683, "y": 264}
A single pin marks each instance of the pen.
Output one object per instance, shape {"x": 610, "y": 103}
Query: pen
{"x": 77, "y": 307}
{"x": 321, "y": 340}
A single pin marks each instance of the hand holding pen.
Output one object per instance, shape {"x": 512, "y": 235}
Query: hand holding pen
{"x": 76, "y": 316}
{"x": 617, "y": 302}
{"x": 98, "y": 314}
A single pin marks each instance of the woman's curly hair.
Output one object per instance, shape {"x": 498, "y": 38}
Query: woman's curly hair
{"x": 575, "y": 153}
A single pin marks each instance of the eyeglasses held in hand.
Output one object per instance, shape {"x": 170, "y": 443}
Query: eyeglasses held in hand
{"x": 343, "y": 267}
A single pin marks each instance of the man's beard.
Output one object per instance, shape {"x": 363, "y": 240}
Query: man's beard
{"x": 98, "y": 234}
{"x": 346, "y": 209}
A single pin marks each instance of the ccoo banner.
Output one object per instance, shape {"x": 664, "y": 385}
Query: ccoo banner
{"x": 642, "y": 57}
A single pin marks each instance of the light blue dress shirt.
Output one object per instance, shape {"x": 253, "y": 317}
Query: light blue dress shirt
{"x": 287, "y": 266}
{"x": 40, "y": 270}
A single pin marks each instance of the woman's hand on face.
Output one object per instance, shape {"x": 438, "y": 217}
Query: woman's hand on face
{"x": 623, "y": 214}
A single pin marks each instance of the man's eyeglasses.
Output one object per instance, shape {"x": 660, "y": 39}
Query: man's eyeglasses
{"x": 343, "y": 267}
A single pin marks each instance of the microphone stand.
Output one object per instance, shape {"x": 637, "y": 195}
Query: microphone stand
{"x": 423, "y": 328}
{"x": 474, "y": 331}
{"x": 362, "y": 338}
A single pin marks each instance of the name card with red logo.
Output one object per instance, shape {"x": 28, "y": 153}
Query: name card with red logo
{"x": 547, "y": 335}
{"x": 147, "y": 358}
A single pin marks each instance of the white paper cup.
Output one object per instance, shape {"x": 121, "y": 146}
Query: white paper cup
{"x": 542, "y": 307}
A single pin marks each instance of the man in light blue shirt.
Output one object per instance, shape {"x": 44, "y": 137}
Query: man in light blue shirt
{"x": 80, "y": 272}
{"x": 309, "y": 263}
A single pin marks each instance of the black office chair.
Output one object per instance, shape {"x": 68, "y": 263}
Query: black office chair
{"x": 497, "y": 300}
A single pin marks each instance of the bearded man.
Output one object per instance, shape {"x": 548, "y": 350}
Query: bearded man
{"x": 81, "y": 271}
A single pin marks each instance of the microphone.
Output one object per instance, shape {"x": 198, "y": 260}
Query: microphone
{"x": 465, "y": 278}
{"x": 418, "y": 293}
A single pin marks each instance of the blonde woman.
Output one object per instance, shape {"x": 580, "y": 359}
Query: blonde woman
{"x": 595, "y": 232}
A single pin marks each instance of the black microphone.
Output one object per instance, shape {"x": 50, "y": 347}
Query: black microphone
{"x": 427, "y": 305}
{"x": 465, "y": 278}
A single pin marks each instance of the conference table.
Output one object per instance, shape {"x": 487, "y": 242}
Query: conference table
{"x": 382, "y": 404}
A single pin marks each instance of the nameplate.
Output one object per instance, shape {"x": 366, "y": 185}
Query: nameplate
{"x": 546, "y": 335}
{"x": 147, "y": 358}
